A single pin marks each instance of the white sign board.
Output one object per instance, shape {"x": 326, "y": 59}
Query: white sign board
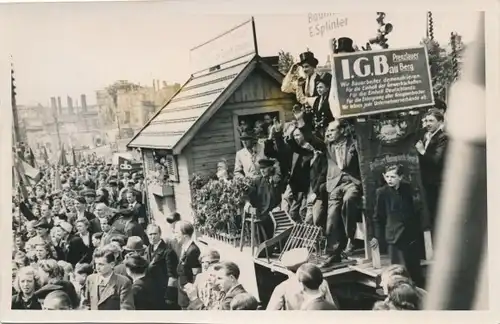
{"x": 232, "y": 45}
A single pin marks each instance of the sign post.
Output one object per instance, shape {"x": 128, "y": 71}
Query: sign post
{"x": 375, "y": 82}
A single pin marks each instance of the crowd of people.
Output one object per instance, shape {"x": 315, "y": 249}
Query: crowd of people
{"x": 84, "y": 239}
{"x": 310, "y": 167}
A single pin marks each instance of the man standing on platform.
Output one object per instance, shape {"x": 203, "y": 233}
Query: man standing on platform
{"x": 265, "y": 195}
{"x": 343, "y": 186}
{"x": 432, "y": 150}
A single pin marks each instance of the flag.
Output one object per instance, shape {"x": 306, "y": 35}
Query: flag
{"x": 62, "y": 157}
{"x": 73, "y": 156}
{"x": 45, "y": 155}
{"x": 57, "y": 180}
{"x": 33, "y": 174}
{"x": 20, "y": 177}
{"x": 29, "y": 157}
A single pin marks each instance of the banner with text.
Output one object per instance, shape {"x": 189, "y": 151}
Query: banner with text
{"x": 383, "y": 142}
{"x": 373, "y": 82}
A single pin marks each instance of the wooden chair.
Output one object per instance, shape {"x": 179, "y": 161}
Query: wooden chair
{"x": 257, "y": 232}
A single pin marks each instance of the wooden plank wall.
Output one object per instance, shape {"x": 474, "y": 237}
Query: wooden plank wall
{"x": 182, "y": 190}
{"x": 216, "y": 140}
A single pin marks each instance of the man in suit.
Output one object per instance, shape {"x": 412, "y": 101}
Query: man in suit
{"x": 300, "y": 152}
{"x": 432, "y": 151}
{"x": 107, "y": 290}
{"x": 226, "y": 278}
{"x": 343, "y": 186}
{"x": 147, "y": 294}
{"x": 265, "y": 195}
{"x": 311, "y": 278}
{"x": 246, "y": 160}
{"x": 138, "y": 210}
{"x": 163, "y": 262}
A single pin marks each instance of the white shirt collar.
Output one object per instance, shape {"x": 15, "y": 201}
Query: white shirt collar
{"x": 155, "y": 246}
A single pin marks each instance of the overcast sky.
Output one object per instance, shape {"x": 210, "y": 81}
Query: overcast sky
{"x": 70, "y": 49}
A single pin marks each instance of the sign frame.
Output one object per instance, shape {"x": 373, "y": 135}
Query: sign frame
{"x": 250, "y": 23}
{"x": 334, "y": 87}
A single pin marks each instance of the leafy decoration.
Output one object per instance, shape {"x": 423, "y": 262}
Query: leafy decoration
{"x": 441, "y": 61}
{"x": 285, "y": 61}
{"x": 217, "y": 204}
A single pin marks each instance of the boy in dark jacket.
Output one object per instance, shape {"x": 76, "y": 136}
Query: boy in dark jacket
{"x": 396, "y": 222}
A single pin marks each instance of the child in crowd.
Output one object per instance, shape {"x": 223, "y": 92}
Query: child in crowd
{"x": 396, "y": 222}
{"x": 79, "y": 277}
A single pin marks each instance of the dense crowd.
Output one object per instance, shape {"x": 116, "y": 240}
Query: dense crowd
{"x": 84, "y": 238}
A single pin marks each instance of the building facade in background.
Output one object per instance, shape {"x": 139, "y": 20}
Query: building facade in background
{"x": 134, "y": 107}
{"x": 70, "y": 123}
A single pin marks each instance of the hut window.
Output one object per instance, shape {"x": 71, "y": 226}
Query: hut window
{"x": 168, "y": 161}
{"x": 259, "y": 123}
{"x": 172, "y": 168}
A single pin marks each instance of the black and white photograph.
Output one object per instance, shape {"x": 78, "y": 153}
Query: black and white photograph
{"x": 181, "y": 161}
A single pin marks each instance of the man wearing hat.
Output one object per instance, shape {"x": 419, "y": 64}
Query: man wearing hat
{"x": 127, "y": 225}
{"x": 134, "y": 245}
{"x": 42, "y": 293}
{"x": 289, "y": 294}
{"x": 306, "y": 91}
{"x": 113, "y": 191}
{"x": 147, "y": 296}
{"x": 42, "y": 228}
{"x": 343, "y": 45}
{"x": 246, "y": 161}
{"x": 90, "y": 196}
{"x": 265, "y": 195}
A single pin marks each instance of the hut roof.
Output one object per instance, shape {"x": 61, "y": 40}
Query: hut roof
{"x": 194, "y": 104}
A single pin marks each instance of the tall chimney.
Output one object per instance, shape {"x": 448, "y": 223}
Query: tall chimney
{"x": 53, "y": 103}
{"x": 83, "y": 99}
{"x": 59, "y": 105}
{"x": 70, "y": 105}
{"x": 154, "y": 85}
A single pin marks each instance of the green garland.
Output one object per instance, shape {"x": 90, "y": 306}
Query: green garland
{"x": 217, "y": 204}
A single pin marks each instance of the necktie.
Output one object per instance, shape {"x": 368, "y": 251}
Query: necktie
{"x": 100, "y": 290}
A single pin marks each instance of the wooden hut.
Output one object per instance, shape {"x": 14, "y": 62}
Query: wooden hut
{"x": 199, "y": 126}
